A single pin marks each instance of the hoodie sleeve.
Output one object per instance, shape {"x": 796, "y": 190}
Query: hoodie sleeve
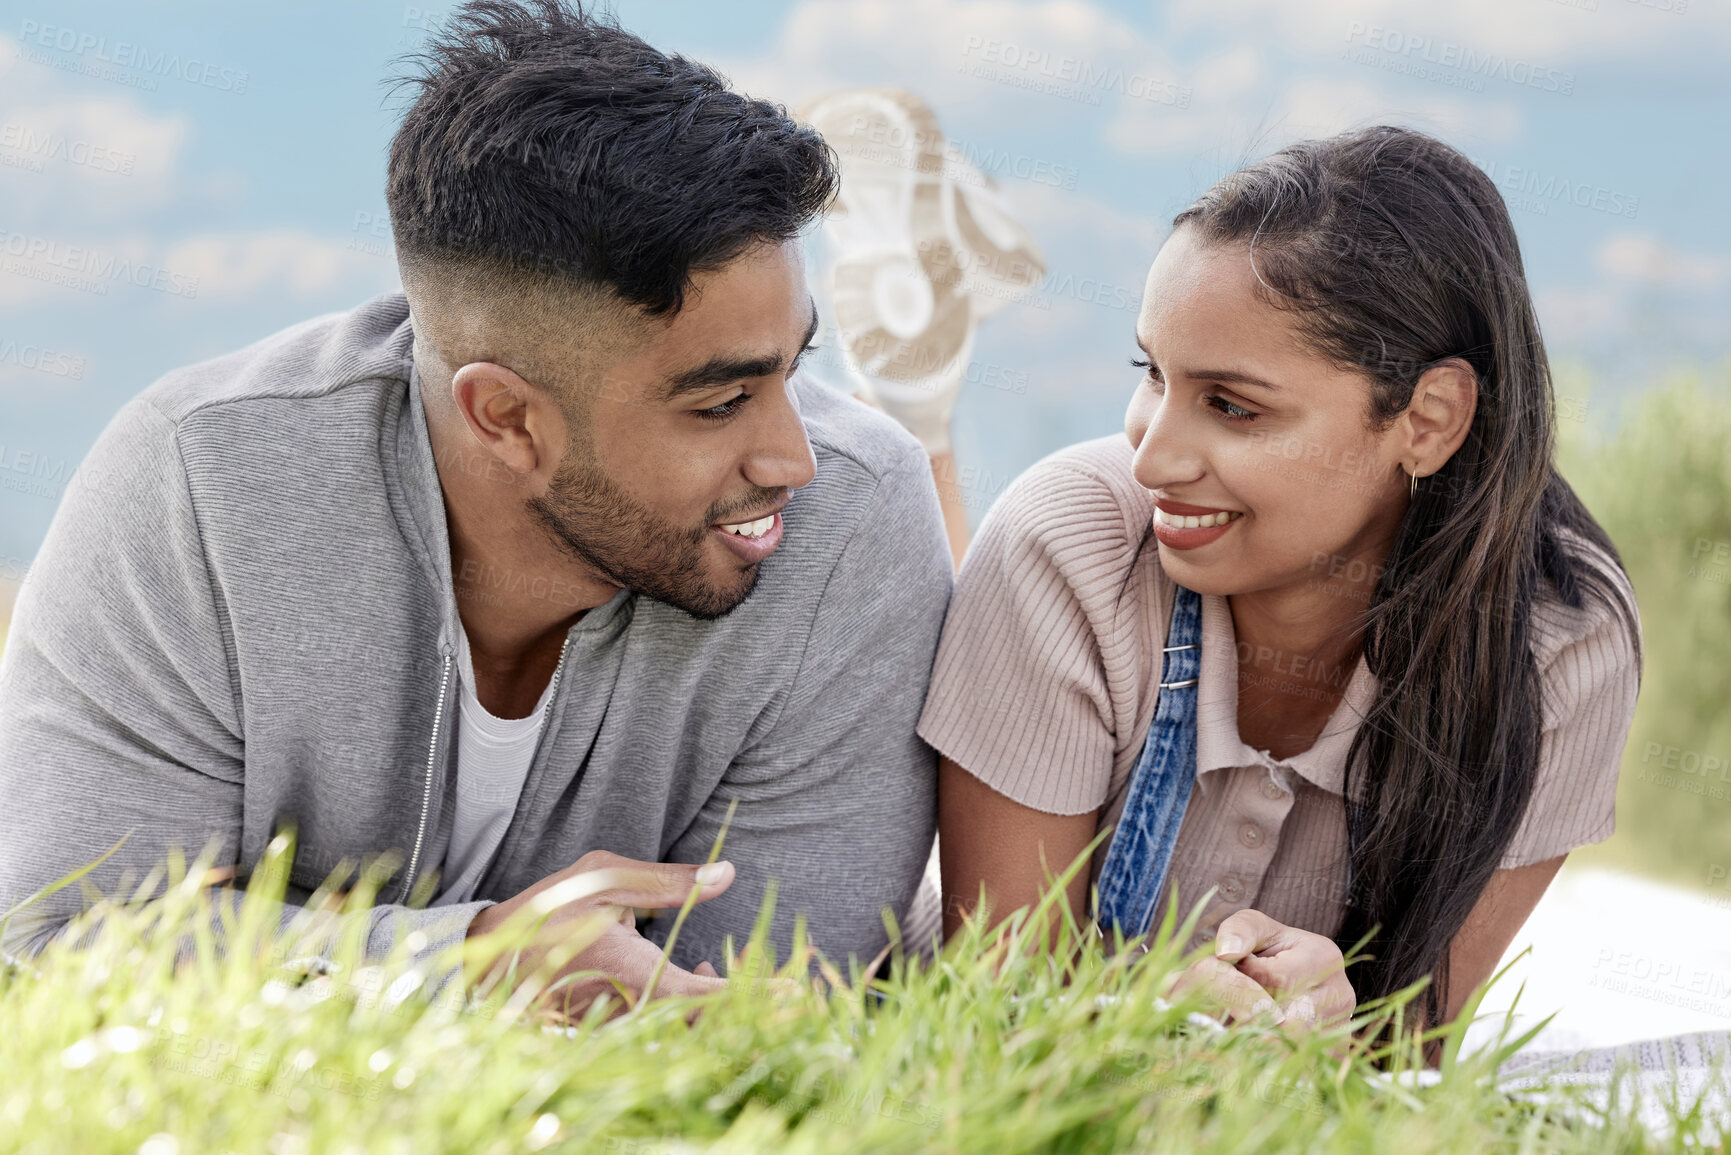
{"x": 120, "y": 700}
{"x": 837, "y": 803}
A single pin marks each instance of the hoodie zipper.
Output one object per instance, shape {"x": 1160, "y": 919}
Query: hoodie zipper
{"x": 553, "y": 690}
{"x": 427, "y": 792}
{"x": 433, "y": 750}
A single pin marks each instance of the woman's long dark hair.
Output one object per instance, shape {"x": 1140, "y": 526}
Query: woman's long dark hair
{"x": 1395, "y": 252}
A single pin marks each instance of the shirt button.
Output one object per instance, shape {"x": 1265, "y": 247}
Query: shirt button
{"x": 1271, "y": 789}
{"x": 1231, "y": 889}
{"x": 1250, "y": 834}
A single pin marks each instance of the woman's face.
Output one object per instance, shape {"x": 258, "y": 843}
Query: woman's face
{"x": 1238, "y": 424}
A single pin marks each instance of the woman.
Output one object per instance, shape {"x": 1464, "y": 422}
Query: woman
{"x": 1342, "y": 442}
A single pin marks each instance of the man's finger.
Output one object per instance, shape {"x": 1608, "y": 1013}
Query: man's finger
{"x": 705, "y": 969}
{"x": 634, "y": 960}
{"x": 663, "y": 884}
{"x": 639, "y": 884}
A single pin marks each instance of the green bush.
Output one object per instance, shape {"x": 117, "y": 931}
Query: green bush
{"x": 1660, "y": 484}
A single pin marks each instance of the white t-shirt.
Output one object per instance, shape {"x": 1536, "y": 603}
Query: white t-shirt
{"x": 493, "y": 756}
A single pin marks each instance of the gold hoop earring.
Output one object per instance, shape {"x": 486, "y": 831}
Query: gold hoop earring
{"x": 1414, "y": 476}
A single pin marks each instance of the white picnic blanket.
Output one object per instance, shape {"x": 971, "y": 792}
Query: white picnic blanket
{"x": 1658, "y": 1079}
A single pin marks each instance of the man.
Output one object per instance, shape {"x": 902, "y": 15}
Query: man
{"x": 542, "y": 567}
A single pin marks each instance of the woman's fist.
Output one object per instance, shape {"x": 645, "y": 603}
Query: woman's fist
{"x": 1263, "y": 965}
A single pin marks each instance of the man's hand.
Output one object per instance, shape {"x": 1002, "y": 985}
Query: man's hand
{"x": 1263, "y": 965}
{"x": 590, "y": 926}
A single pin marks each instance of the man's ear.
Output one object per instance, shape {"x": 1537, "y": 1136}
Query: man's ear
{"x": 513, "y": 420}
{"x": 1439, "y": 416}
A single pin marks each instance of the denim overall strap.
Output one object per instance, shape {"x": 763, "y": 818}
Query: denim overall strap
{"x": 1134, "y": 874}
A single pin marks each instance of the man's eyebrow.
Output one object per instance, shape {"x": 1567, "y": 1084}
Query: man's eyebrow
{"x": 725, "y": 370}
{"x": 806, "y": 346}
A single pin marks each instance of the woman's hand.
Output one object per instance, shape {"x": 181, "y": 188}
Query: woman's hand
{"x": 1263, "y": 965}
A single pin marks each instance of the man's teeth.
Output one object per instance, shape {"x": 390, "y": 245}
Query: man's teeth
{"x": 751, "y": 528}
{"x": 1205, "y": 521}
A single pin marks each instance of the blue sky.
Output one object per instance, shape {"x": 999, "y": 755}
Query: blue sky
{"x": 227, "y": 162}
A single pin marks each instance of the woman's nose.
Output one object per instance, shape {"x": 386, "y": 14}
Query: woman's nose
{"x": 1168, "y": 450}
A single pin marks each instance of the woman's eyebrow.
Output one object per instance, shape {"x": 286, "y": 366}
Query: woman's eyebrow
{"x": 1226, "y": 376}
{"x": 1233, "y": 377}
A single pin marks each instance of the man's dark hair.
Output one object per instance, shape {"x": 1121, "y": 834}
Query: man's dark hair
{"x": 546, "y": 140}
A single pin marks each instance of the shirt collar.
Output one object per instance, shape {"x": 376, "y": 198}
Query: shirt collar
{"x": 1218, "y": 746}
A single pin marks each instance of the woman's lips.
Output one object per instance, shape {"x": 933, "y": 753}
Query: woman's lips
{"x": 1178, "y": 525}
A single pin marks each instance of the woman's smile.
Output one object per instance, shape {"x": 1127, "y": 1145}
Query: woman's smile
{"x": 1181, "y": 526}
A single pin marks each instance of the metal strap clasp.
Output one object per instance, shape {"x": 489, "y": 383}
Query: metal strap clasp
{"x": 1174, "y": 650}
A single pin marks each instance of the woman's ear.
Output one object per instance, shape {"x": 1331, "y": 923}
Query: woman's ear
{"x": 1439, "y": 415}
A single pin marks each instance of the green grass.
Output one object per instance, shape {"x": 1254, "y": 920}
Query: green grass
{"x": 107, "y": 1049}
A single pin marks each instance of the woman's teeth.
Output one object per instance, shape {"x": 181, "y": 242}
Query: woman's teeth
{"x": 751, "y": 528}
{"x": 1185, "y": 521}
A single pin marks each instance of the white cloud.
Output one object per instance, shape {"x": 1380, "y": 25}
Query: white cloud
{"x": 1546, "y": 33}
{"x": 1031, "y": 60}
{"x": 1062, "y": 220}
{"x": 101, "y": 163}
{"x": 281, "y": 261}
{"x": 205, "y": 267}
{"x": 1047, "y": 62}
{"x": 1649, "y": 295}
{"x": 66, "y": 152}
{"x": 1646, "y": 260}
{"x": 1221, "y": 105}
{"x": 35, "y": 266}
{"x": 1256, "y": 117}
{"x": 1321, "y": 107}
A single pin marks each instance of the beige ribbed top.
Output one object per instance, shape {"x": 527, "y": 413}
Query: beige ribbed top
{"x": 1045, "y": 685}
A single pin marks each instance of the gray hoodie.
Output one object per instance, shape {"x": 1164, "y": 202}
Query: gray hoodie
{"x": 243, "y": 616}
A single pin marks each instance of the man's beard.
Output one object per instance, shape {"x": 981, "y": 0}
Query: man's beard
{"x": 600, "y": 525}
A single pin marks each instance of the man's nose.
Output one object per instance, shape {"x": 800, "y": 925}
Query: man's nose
{"x": 782, "y": 455}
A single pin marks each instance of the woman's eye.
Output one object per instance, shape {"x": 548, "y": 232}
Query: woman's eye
{"x": 725, "y": 410}
{"x": 1148, "y": 368}
{"x": 1230, "y": 411}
